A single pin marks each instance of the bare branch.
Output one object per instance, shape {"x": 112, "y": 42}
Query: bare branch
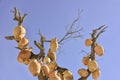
{"x": 38, "y": 45}
{"x": 101, "y": 31}
{"x": 22, "y": 19}
{"x": 74, "y": 22}
{"x": 71, "y": 32}
{"x": 9, "y": 37}
{"x": 47, "y": 41}
{"x": 18, "y": 17}
{"x": 83, "y": 51}
{"x": 39, "y": 33}
{"x": 99, "y": 28}
{"x": 16, "y": 14}
{"x": 41, "y": 54}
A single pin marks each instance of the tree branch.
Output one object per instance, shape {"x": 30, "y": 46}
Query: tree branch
{"x": 39, "y": 45}
{"x": 101, "y": 31}
{"x": 94, "y": 36}
{"x": 9, "y": 37}
{"x": 18, "y": 17}
{"x": 71, "y": 32}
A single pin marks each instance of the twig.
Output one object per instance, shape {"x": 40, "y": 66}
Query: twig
{"x": 18, "y": 17}
{"x": 9, "y": 37}
{"x": 101, "y": 31}
{"x": 41, "y": 54}
{"x": 70, "y": 32}
{"x": 38, "y": 45}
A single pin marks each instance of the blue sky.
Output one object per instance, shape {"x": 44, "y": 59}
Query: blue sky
{"x": 51, "y": 17}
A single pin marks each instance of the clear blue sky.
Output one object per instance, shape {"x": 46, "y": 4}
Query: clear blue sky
{"x": 51, "y": 17}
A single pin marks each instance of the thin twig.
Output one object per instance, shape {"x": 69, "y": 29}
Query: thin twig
{"x": 47, "y": 40}
{"x": 70, "y": 32}
{"x": 18, "y": 17}
{"x": 101, "y": 31}
{"x": 38, "y": 45}
{"x": 9, "y": 37}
